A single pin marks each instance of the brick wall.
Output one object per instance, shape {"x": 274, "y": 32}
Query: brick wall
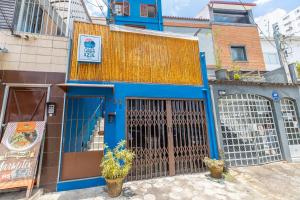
{"x": 225, "y": 36}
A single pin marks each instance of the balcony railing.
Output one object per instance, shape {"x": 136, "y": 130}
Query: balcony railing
{"x": 48, "y": 17}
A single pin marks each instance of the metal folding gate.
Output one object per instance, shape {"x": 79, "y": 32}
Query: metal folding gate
{"x": 248, "y": 130}
{"x": 168, "y": 137}
{"x": 291, "y": 125}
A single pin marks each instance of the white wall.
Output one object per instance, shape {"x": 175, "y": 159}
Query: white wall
{"x": 270, "y": 54}
{"x": 205, "y": 40}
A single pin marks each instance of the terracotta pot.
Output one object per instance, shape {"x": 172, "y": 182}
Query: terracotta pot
{"x": 216, "y": 172}
{"x": 114, "y": 187}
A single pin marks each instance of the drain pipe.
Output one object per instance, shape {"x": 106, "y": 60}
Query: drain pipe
{"x": 214, "y": 153}
{"x": 215, "y": 116}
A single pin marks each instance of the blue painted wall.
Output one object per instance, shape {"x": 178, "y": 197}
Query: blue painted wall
{"x": 115, "y": 101}
{"x": 135, "y": 18}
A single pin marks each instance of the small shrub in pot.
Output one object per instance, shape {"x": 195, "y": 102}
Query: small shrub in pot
{"x": 216, "y": 167}
{"x": 115, "y": 166}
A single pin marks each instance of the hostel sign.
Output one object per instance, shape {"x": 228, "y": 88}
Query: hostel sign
{"x": 89, "y": 48}
{"x": 19, "y": 151}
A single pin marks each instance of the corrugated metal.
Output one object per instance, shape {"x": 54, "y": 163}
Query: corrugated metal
{"x": 7, "y": 8}
{"x": 135, "y": 57}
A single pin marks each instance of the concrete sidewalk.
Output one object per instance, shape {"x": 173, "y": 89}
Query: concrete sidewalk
{"x": 271, "y": 182}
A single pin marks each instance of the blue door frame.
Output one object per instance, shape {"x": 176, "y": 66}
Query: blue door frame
{"x": 115, "y": 101}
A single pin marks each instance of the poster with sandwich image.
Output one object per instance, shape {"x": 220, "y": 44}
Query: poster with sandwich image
{"x": 19, "y": 151}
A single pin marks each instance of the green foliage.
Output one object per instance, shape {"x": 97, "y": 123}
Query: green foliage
{"x": 298, "y": 68}
{"x": 213, "y": 163}
{"x": 237, "y": 77}
{"x": 116, "y": 163}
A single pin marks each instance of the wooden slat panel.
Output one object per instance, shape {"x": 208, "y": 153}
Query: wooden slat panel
{"x": 132, "y": 57}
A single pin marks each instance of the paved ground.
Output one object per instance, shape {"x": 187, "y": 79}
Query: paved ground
{"x": 270, "y": 182}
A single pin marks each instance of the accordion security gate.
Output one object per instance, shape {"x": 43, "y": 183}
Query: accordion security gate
{"x": 168, "y": 137}
{"x": 248, "y": 130}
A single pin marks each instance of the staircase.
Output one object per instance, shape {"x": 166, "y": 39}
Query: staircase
{"x": 96, "y": 141}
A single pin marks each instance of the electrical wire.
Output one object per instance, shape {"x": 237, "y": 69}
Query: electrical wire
{"x": 98, "y": 6}
{"x": 253, "y": 20}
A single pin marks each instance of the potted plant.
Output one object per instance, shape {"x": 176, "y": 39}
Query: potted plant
{"x": 221, "y": 74}
{"x": 216, "y": 167}
{"x": 115, "y": 166}
{"x": 235, "y": 73}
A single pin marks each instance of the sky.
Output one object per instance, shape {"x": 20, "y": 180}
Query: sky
{"x": 190, "y": 8}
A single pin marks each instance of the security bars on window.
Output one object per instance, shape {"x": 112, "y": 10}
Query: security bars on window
{"x": 290, "y": 119}
{"x": 84, "y": 124}
{"x": 48, "y": 17}
{"x": 248, "y": 130}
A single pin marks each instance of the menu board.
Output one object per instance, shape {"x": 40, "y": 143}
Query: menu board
{"x": 19, "y": 152}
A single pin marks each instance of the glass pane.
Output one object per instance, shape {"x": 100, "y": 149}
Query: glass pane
{"x": 151, "y": 11}
{"x": 231, "y": 17}
{"x": 238, "y": 53}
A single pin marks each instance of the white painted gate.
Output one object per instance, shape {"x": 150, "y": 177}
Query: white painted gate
{"x": 291, "y": 125}
{"x": 249, "y": 134}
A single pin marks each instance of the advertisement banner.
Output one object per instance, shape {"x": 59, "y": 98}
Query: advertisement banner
{"x": 19, "y": 152}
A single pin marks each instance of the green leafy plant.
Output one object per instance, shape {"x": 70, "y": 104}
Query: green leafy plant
{"x": 298, "y": 68}
{"x": 116, "y": 163}
{"x": 236, "y": 77}
{"x": 213, "y": 163}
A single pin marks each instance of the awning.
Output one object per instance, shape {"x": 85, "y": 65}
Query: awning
{"x": 65, "y": 86}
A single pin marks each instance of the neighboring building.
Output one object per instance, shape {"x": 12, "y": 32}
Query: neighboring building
{"x": 44, "y": 17}
{"x": 257, "y": 122}
{"x": 289, "y": 23}
{"x": 270, "y": 53}
{"x": 146, "y": 14}
{"x": 33, "y": 59}
{"x": 265, "y": 22}
{"x": 292, "y": 45}
{"x": 227, "y": 34}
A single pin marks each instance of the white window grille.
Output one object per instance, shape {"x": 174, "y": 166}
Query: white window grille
{"x": 249, "y": 135}
{"x": 48, "y": 17}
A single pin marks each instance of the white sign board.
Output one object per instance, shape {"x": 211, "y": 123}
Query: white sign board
{"x": 89, "y": 48}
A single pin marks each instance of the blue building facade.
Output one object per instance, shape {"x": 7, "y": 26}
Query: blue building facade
{"x": 141, "y": 14}
{"x": 154, "y": 116}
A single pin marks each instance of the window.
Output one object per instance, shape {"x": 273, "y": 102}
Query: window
{"x": 148, "y": 10}
{"x": 122, "y": 8}
{"x": 238, "y": 53}
{"x": 225, "y": 16}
